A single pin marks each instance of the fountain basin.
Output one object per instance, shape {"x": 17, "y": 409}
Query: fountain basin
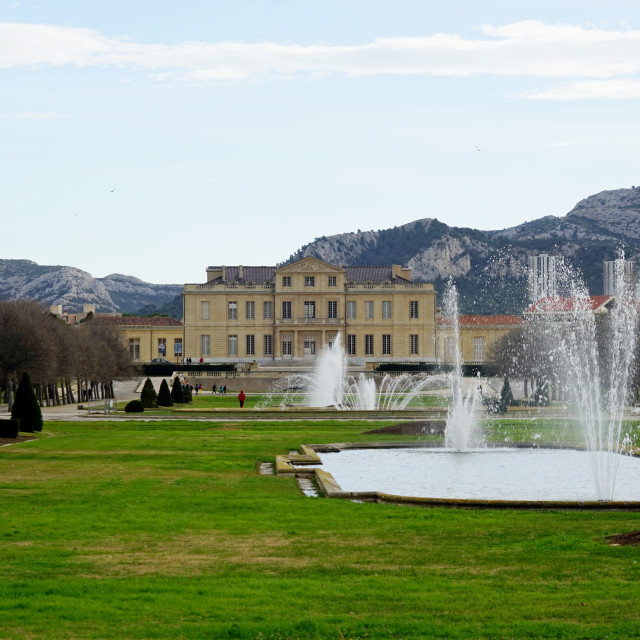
{"x": 523, "y": 477}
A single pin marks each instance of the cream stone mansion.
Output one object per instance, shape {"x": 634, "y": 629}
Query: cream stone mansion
{"x": 288, "y": 313}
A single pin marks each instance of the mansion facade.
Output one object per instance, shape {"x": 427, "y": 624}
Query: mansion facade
{"x": 290, "y": 312}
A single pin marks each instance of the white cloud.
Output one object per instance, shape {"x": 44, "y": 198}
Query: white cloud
{"x": 528, "y": 49}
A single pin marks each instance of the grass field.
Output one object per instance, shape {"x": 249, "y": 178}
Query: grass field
{"x": 209, "y": 401}
{"x": 165, "y": 530}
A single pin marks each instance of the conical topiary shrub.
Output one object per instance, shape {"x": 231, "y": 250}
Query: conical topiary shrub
{"x": 506, "y": 396}
{"x": 187, "y": 394}
{"x": 177, "y": 394}
{"x": 148, "y": 395}
{"x": 164, "y": 395}
{"x": 25, "y": 406}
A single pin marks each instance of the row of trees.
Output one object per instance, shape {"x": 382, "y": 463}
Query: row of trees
{"x": 66, "y": 364}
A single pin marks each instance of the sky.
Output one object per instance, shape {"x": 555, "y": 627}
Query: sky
{"x": 155, "y": 138}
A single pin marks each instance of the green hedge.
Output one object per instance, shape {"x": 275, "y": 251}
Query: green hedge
{"x": 9, "y": 428}
{"x": 134, "y": 406}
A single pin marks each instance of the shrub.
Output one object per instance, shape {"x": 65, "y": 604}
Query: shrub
{"x": 25, "y": 406}
{"x": 135, "y": 406}
{"x": 148, "y": 395}
{"x": 188, "y": 397}
{"x": 164, "y": 395}
{"x": 9, "y": 428}
{"x": 177, "y": 393}
{"x": 506, "y": 396}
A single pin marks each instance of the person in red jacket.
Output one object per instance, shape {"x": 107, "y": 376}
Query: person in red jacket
{"x": 241, "y": 398}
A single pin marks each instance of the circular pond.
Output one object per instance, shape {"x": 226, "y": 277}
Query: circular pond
{"x": 482, "y": 474}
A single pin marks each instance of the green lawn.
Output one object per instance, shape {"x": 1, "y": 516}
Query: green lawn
{"x": 165, "y": 530}
{"x": 207, "y": 400}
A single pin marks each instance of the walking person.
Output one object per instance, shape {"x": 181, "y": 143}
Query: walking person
{"x": 241, "y": 398}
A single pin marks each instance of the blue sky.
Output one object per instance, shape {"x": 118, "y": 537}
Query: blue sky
{"x": 155, "y": 138}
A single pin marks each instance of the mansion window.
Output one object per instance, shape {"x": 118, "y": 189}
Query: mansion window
{"x": 309, "y": 281}
{"x": 333, "y": 309}
{"x": 162, "y": 347}
{"x": 204, "y": 310}
{"x": 177, "y": 346}
{"x": 478, "y": 349}
{"x": 134, "y": 348}
{"x": 368, "y": 309}
{"x": 413, "y": 348}
{"x": 251, "y": 310}
{"x": 205, "y": 342}
{"x": 233, "y": 311}
{"x": 331, "y": 338}
{"x": 233, "y": 345}
{"x": 386, "y": 309}
{"x": 351, "y": 345}
{"x": 286, "y": 347}
{"x": 309, "y": 309}
{"x": 286, "y": 281}
{"x": 386, "y": 344}
{"x": 310, "y": 345}
{"x": 268, "y": 345}
{"x": 351, "y": 310}
{"x": 333, "y": 281}
{"x": 450, "y": 348}
{"x": 368, "y": 345}
{"x": 286, "y": 309}
{"x": 251, "y": 345}
{"x": 267, "y": 310}
{"x": 413, "y": 309}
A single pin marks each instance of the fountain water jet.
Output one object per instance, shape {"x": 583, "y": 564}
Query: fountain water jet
{"x": 461, "y": 432}
{"x": 329, "y": 385}
{"x": 598, "y": 382}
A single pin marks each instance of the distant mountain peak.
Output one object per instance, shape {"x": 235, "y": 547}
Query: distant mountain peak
{"x": 72, "y": 288}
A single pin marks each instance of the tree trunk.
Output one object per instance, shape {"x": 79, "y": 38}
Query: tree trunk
{"x": 8, "y": 392}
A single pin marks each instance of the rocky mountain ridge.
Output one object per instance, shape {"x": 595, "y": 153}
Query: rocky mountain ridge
{"x": 489, "y": 267}
{"x": 72, "y": 288}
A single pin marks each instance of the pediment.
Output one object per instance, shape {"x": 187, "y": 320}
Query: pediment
{"x": 310, "y": 264}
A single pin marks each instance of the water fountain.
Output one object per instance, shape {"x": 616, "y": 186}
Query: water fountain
{"x": 461, "y": 432}
{"x": 330, "y": 385}
{"x": 596, "y": 385}
{"x": 598, "y": 381}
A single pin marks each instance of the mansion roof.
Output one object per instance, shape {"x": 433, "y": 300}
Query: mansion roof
{"x": 358, "y": 275}
{"x": 141, "y": 321}
{"x": 562, "y": 304}
{"x": 481, "y": 321}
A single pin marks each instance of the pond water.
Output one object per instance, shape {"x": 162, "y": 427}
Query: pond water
{"x": 481, "y": 474}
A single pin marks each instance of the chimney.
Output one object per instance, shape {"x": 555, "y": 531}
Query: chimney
{"x": 224, "y": 273}
{"x": 240, "y": 276}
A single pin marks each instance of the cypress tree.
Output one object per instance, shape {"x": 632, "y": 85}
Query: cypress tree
{"x": 148, "y": 395}
{"x": 164, "y": 395}
{"x": 506, "y": 397}
{"x": 188, "y": 397}
{"x": 177, "y": 394}
{"x": 25, "y": 406}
